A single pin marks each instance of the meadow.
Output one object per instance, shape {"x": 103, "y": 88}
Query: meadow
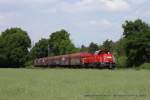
{"x": 74, "y": 84}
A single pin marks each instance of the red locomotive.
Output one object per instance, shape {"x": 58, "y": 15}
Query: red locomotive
{"x": 100, "y": 59}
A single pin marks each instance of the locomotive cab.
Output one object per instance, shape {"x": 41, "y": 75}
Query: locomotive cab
{"x": 105, "y": 58}
{"x": 102, "y": 52}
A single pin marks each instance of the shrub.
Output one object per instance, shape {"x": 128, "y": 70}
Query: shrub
{"x": 145, "y": 66}
{"x": 121, "y": 62}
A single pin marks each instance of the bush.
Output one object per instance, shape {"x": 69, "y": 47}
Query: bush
{"x": 29, "y": 64}
{"x": 121, "y": 61}
{"x": 145, "y": 66}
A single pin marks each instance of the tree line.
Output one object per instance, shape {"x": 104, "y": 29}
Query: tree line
{"x": 132, "y": 50}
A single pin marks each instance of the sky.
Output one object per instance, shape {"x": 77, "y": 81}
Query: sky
{"x": 86, "y": 20}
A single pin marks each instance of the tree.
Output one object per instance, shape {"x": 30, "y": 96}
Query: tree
{"x": 60, "y": 43}
{"x": 108, "y": 44}
{"x": 93, "y": 47}
{"x": 40, "y": 49}
{"x": 14, "y": 47}
{"x": 84, "y": 48}
{"x": 119, "y": 53}
{"x": 132, "y": 28}
{"x": 2, "y": 52}
{"x": 137, "y": 47}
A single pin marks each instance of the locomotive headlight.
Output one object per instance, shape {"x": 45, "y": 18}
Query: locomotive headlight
{"x": 109, "y": 57}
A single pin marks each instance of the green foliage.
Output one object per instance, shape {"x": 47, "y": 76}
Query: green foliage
{"x": 108, "y": 44}
{"x": 40, "y": 49}
{"x": 60, "y": 43}
{"x": 119, "y": 47}
{"x": 121, "y": 61}
{"x": 137, "y": 47}
{"x": 93, "y": 47}
{"x": 119, "y": 53}
{"x": 132, "y": 28}
{"x": 83, "y": 49}
{"x": 29, "y": 64}
{"x": 3, "y": 57}
{"x": 14, "y": 45}
{"x": 145, "y": 66}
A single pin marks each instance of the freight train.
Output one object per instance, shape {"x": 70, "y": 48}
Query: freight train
{"x": 99, "y": 59}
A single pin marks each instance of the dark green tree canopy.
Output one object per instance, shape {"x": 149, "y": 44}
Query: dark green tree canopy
{"x": 137, "y": 47}
{"x": 93, "y": 47}
{"x": 14, "y": 47}
{"x": 40, "y": 49}
{"x": 3, "y": 58}
{"x": 108, "y": 44}
{"x": 60, "y": 43}
{"x": 132, "y": 28}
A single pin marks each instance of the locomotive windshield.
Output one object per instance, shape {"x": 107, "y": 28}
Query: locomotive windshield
{"x": 103, "y": 52}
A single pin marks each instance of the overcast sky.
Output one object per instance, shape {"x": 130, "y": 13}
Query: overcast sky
{"x": 86, "y": 20}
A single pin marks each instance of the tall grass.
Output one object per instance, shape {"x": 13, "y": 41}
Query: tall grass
{"x": 74, "y": 84}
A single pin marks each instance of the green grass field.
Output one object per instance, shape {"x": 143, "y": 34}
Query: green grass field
{"x": 74, "y": 84}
